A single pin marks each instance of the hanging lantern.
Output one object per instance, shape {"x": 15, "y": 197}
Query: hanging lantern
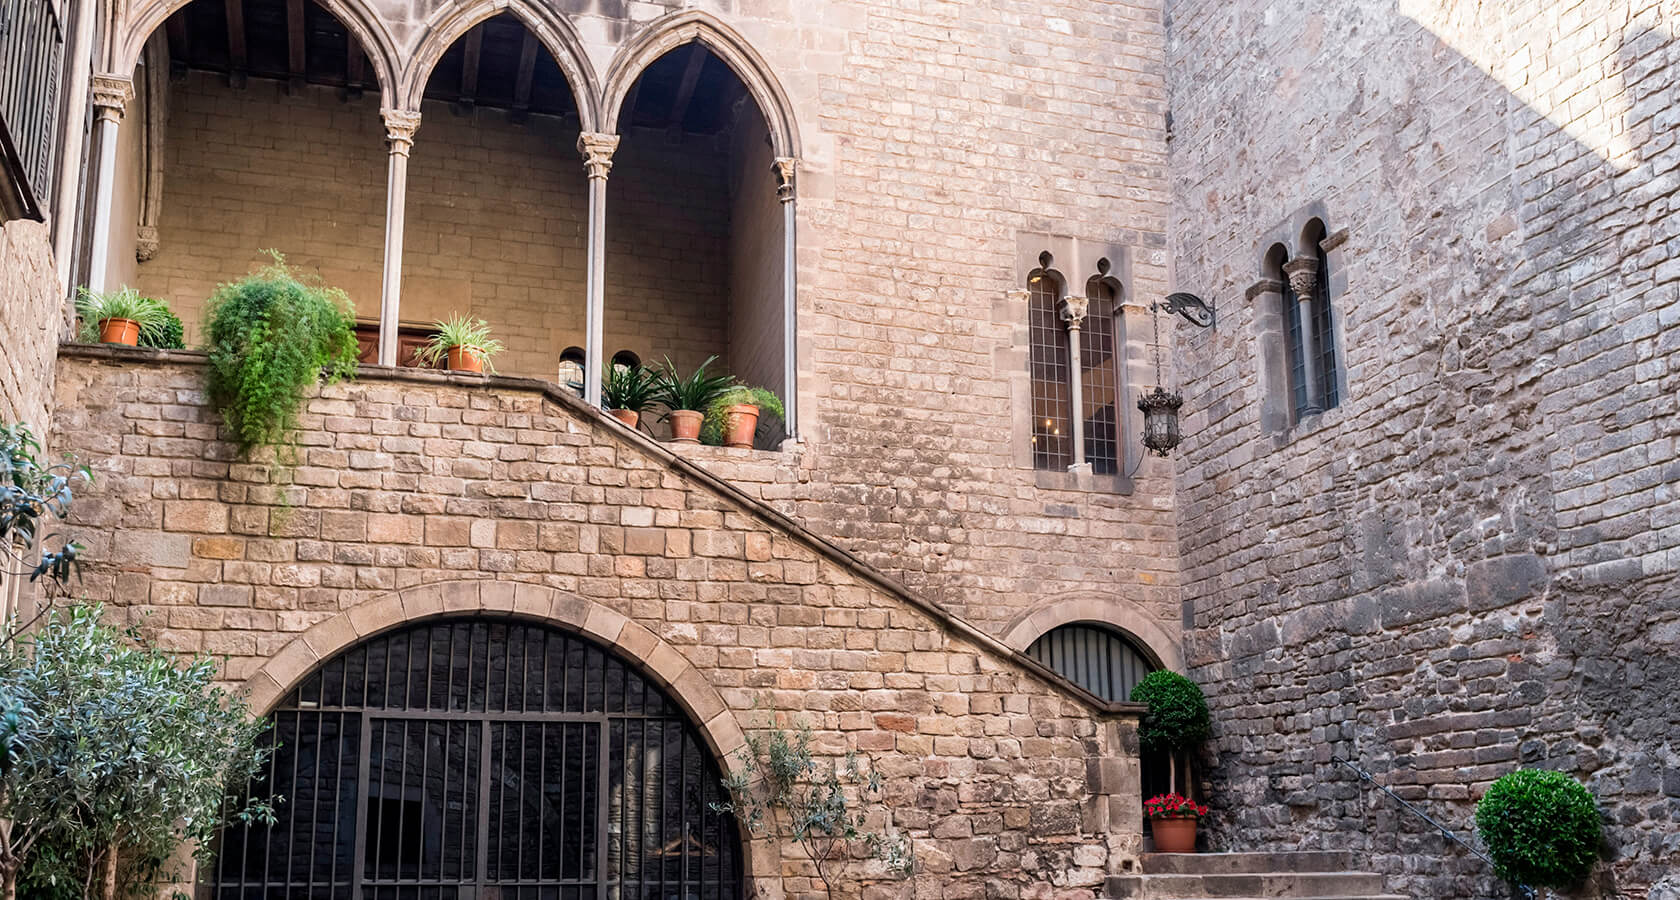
{"x": 1160, "y": 420}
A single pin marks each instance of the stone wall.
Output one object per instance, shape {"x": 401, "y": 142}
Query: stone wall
{"x": 418, "y": 494}
{"x": 931, "y": 142}
{"x": 31, "y": 317}
{"x": 1470, "y": 564}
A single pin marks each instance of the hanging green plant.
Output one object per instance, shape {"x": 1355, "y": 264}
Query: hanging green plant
{"x": 271, "y": 335}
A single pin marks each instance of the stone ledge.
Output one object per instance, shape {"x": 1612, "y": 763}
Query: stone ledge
{"x": 844, "y": 559}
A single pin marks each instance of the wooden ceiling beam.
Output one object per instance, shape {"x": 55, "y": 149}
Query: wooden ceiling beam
{"x": 297, "y": 56}
{"x": 180, "y": 44}
{"x": 685, "y": 88}
{"x": 527, "y": 73}
{"x": 238, "y": 61}
{"x": 470, "y": 58}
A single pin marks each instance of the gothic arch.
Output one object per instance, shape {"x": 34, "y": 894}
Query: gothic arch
{"x": 1122, "y": 615}
{"x": 666, "y": 34}
{"x": 358, "y": 18}
{"x": 557, "y": 35}
{"x": 660, "y": 661}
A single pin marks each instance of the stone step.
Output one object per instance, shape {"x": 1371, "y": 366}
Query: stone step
{"x": 1246, "y": 863}
{"x": 1319, "y": 885}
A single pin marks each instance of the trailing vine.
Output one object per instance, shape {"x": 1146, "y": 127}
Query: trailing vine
{"x": 270, "y": 336}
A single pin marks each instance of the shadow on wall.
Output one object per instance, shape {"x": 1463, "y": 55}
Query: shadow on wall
{"x": 1465, "y": 569}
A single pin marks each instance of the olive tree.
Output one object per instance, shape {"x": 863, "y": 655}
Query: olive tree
{"x": 33, "y": 496}
{"x": 116, "y": 751}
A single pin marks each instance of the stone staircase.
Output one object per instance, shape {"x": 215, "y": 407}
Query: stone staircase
{"x": 1318, "y": 874}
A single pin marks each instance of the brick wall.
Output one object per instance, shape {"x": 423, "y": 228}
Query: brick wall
{"x": 1003, "y": 781}
{"x": 1470, "y": 565}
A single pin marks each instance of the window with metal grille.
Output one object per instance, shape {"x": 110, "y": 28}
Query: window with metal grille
{"x": 1100, "y": 380}
{"x": 31, "y": 53}
{"x": 1297, "y": 355}
{"x": 1322, "y": 330}
{"x": 1098, "y": 659}
{"x": 1050, "y": 374}
{"x": 483, "y": 758}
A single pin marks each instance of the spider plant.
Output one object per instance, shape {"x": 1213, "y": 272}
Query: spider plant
{"x": 95, "y": 307}
{"x": 632, "y": 388}
{"x": 712, "y": 431}
{"x": 693, "y": 393}
{"x": 469, "y": 336}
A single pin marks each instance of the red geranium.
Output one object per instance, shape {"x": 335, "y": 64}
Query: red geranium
{"x": 1172, "y": 806}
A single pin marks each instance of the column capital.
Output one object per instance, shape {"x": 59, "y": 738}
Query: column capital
{"x": 597, "y": 151}
{"x": 400, "y": 125}
{"x": 1302, "y": 273}
{"x": 1074, "y": 310}
{"x": 111, "y": 95}
{"x": 786, "y": 169}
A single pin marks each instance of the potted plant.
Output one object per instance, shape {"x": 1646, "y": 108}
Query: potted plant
{"x": 1172, "y": 818}
{"x": 627, "y": 392}
{"x": 732, "y": 417}
{"x": 1542, "y": 828}
{"x": 1175, "y": 722}
{"x": 686, "y": 399}
{"x": 120, "y": 316}
{"x": 463, "y": 342}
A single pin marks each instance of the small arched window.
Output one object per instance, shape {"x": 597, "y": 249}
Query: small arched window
{"x": 1323, "y": 328}
{"x": 1095, "y": 657}
{"x": 625, "y": 359}
{"x": 1048, "y": 363}
{"x": 1309, "y": 322}
{"x": 1100, "y": 379}
{"x": 571, "y": 369}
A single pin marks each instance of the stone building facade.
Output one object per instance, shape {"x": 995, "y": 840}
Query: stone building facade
{"x": 1469, "y": 563}
{"x": 1421, "y": 519}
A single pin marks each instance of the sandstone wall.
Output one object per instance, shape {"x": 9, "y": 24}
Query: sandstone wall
{"x": 937, "y": 144}
{"x": 1009, "y": 786}
{"x": 32, "y": 317}
{"x": 1470, "y": 565}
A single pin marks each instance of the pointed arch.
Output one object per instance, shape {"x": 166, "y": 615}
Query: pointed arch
{"x": 449, "y": 24}
{"x": 358, "y": 18}
{"x": 670, "y": 32}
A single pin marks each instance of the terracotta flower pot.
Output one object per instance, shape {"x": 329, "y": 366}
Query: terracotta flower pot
{"x": 1174, "y": 835}
{"x": 685, "y": 426}
{"x": 120, "y": 331}
{"x": 465, "y": 359}
{"x": 628, "y": 416}
{"x": 739, "y": 426}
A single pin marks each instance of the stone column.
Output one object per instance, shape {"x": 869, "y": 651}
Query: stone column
{"x": 111, "y": 96}
{"x": 1302, "y": 273}
{"x": 597, "y": 150}
{"x": 400, "y": 125}
{"x": 1073, "y": 313}
{"x": 786, "y": 167}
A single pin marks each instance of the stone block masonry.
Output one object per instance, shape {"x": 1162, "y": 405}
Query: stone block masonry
{"x": 1473, "y": 563}
{"x": 417, "y": 495}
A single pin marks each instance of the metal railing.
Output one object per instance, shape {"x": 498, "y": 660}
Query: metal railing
{"x": 32, "y": 54}
{"x": 1526, "y": 892}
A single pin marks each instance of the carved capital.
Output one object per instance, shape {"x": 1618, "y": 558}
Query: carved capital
{"x": 1302, "y": 273}
{"x": 1074, "y": 310}
{"x": 597, "y": 151}
{"x": 111, "y": 95}
{"x": 145, "y": 242}
{"x": 786, "y": 167}
{"x": 400, "y": 125}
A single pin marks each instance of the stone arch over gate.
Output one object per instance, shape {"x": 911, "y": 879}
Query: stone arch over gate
{"x": 658, "y": 662}
{"x": 1122, "y": 615}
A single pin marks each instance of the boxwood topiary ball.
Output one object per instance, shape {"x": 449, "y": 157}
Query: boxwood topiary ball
{"x": 1542, "y": 828}
{"x": 1178, "y": 715}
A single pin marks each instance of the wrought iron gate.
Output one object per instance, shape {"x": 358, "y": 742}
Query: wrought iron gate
{"x": 483, "y": 760}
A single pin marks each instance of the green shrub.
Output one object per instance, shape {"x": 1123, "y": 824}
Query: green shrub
{"x": 271, "y": 335}
{"x": 1177, "y": 718}
{"x": 1542, "y": 828}
{"x": 170, "y": 334}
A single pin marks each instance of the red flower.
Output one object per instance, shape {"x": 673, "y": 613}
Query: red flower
{"x": 1173, "y": 806}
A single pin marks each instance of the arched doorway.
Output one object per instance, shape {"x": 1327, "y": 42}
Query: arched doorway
{"x": 484, "y": 758}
